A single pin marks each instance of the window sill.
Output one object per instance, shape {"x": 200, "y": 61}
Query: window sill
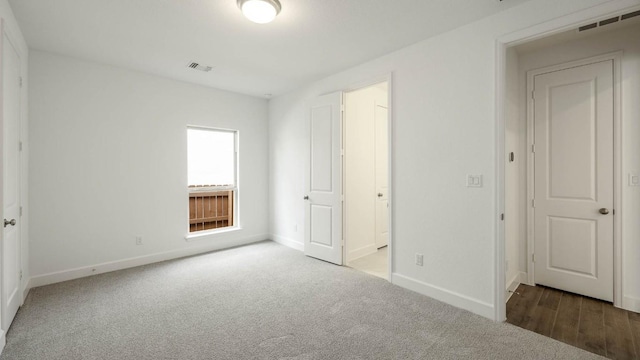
{"x": 207, "y": 233}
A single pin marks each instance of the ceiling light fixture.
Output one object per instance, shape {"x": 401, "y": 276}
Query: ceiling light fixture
{"x": 260, "y": 11}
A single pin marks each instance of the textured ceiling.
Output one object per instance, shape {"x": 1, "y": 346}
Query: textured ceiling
{"x": 310, "y": 39}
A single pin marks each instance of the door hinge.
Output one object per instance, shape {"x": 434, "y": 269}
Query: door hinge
{"x": 613, "y": 211}
{"x": 20, "y": 81}
{"x": 533, "y": 95}
{"x": 533, "y": 202}
{"x": 533, "y": 257}
{"x": 20, "y": 210}
{"x": 502, "y": 217}
{"x": 533, "y": 148}
{"x": 20, "y": 274}
{"x": 19, "y": 145}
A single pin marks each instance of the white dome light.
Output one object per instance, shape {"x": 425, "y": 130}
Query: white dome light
{"x": 260, "y": 11}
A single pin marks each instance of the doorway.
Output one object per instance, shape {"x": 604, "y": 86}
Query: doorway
{"x": 366, "y": 179}
{"x": 570, "y": 168}
{"x": 564, "y": 173}
{"x": 348, "y": 196}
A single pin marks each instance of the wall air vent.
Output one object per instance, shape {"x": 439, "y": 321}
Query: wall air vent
{"x": 612, "y": 20}
{"x": 195, "y": 65}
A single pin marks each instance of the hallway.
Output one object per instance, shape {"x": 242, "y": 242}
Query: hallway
{"x": 587, "y": 323}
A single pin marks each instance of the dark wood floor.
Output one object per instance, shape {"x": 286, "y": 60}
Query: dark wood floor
{"x": 590, "y": 324}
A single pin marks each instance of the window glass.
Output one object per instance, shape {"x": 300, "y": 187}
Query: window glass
{"x": 211, "y": 160}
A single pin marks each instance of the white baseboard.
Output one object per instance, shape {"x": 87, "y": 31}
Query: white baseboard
{"x": 631, "y": 304}
{"x": 288, "y": 242}
{"x": 65, "y": 275}
{"x": 517, "y": 279}
{"x": 361, "y": 252}
{"x": 25, "y": 290}
{"x": 452, "y": 298}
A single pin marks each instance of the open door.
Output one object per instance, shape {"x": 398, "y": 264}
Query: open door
{"x": 323, "y": 208}
{"x": 11, "y": 274}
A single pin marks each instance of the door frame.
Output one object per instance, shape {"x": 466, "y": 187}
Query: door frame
{"x": 616, "y": 57}
{"x": 390, "y": 136}
{"x": 502, "y": 43}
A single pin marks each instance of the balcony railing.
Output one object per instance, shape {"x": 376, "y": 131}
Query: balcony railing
{"x": 210, "y": 209}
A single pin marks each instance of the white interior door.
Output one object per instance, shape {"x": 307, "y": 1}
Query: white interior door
{"x": 11, "y": 298}
{"x": 573, "y": 114}
{"x": 323, "y": 210}
{"x": 382, "y": 176}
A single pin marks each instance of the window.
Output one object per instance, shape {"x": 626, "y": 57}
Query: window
{"x": 212, "y": 178}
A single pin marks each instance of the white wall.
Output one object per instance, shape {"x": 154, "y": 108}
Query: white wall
{"x": 625, "y": 39}
{"x": 360, "y": 170}
{"x": 515, "y": 178}
{"x": 444, "y": 120}
{"x": 15, "y": 34}
{"x": 109, "y": 162}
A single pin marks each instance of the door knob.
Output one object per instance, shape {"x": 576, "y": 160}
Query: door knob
{"x": 306, "y": 198}
{"x": 379, "y": 194}
{"x": 604, "y": 211}
{"x": 11, "y": 222}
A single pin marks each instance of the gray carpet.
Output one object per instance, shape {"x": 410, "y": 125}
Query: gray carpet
{"x": 262, "y": 301}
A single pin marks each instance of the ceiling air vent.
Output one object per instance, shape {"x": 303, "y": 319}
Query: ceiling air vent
{"x": 588, "y": 27}
{"x": 609, "y": 21}
{"x": 630, "y": 15}
{"x": 195, "y": 65}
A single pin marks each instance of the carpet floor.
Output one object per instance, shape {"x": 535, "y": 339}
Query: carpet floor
{"x": 262, "y": 301}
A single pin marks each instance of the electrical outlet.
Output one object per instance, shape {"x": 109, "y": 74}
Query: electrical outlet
{"x": 419, "y": 259}
{"x": 138, "y": 240}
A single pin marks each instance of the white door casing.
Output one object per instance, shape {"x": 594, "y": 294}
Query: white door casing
{"x": 323, "y": 208}
{"x": 573, "y": 177}
{"x": 382, "y": 175}
{"x": 11, "y": 298}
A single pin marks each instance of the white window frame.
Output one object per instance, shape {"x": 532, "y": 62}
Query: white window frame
{"x": 236, "y": 189}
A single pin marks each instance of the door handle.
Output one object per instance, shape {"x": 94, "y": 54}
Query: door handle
{"x": 11, "y": 222}
{"x": 306, "y": 198}
{"x": 380, "y": 195}
{"x": 604, "y": 211}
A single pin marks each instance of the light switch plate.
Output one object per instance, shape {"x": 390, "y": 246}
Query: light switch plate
{"x": 474, "y": 181}
{"x": 634, "y": 179}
